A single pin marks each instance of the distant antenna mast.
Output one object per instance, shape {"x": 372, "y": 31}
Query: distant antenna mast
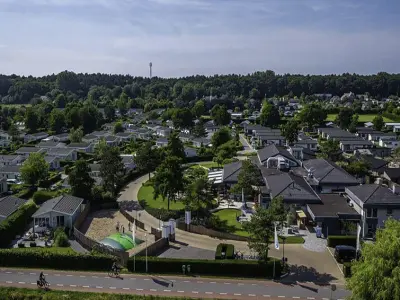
{"x": 151, "y": 69}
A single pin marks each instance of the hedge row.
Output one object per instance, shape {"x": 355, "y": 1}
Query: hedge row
{"x": 42, "y": 196}
{"x": 53, "y": 260}
{"x": 229, "y": 250}
{"x": 16, "y": 224}
{"x": 348, "y": 240}
{"x": 230, "y": 268}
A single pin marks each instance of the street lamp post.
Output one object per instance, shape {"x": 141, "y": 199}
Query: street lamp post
{"x": 283, "y": 249}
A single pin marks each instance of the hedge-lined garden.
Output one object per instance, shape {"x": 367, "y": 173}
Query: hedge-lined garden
{"x": 54, "y": 260}
{"x": 348, "y": 240}
{"x": 29, "y": 294}
{"x": 228, "y": 268}
{"x": 16, "y": 224}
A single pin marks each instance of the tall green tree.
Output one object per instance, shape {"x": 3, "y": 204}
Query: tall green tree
{"x": 147, "y": 158}
{"x": 31, "y": 120}
{"x": 199, "y": 130}
{"x": 182, "y": 118}
{"x": 199, "y": 108}
{"x": 249, "y": 177}
{"x": 13, "y": 131}
{"x": 220, "y": 137}
{"x": 168, "y": 180}
{"x": 175, "y": 146}
{"x": 109, "y": 112}
{"x": 220, "y": 115}
{"x": 290, "y": 131}
{"x": 329, "y": 149}
{"x": 343, "y": 119}
{"x": 198, "y": 195}
{"x": 111, "y": 169}
{"x": 75, "y": 135}
{"x": 270, "y": 116}
{"x": 57, "y": 121}
{"x": 354, "y": 123}
{"x": 34, "y": 169}
{"x": 377, "y": 274}
{"x": 261, "y": 232}
{"x": 312, "y": 115}
{"x": 80, "y": 181}
{"x": 378, "y": 122}
{"x": 122, "y": 104}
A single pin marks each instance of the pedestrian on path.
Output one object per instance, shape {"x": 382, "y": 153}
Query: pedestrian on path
{"x": 123, "y": 229}
{"x": 117, "y": 227}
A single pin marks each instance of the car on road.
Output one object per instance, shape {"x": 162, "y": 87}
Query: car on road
{"x": 344, "y": 253}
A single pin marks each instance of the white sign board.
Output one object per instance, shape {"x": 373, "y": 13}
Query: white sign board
{"x": 188, "y": 217}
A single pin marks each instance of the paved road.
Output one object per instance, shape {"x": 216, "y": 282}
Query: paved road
{"x": 169, "y": 286}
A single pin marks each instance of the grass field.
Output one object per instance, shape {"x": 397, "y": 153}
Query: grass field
{"x": 229, "y": 215}
{"x": 146, "y": 194}
{"x": 361, "y": 118}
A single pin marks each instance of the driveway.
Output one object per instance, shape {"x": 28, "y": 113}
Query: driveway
{"x": 306, "y": 265}
{"x": 246, "y": 146}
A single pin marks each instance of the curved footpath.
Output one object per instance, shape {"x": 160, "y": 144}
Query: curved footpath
{"x": 316, "y": 266}
{"x": 168, "y": 285}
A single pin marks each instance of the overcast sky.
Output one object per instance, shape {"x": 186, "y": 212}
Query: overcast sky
{"x": 186, "y": 37}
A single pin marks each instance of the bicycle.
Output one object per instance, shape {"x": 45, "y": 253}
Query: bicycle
{"x": 42, "y": 284}
{"x": 114, "y": 272}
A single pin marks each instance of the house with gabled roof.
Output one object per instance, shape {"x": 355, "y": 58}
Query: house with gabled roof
{"x": 35, "y": 137}
{"x": 230, "y": 173}
{"x": 63, "y": 153}
{"x": 90, "y": 138}
{"x": 82, "y": 147}
{"x": 50, "y": 144}
{"x": 11, "y": 160}
{"x": 26, "y": 151}
{"x": 273, "y": 151}
{"x": 327, "y": 177}
{"x": 9, "y": 205}
{"x": 61, "y": 211}
{"x": 375, "y": 203}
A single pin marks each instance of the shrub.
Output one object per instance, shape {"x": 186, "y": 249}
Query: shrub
{"x": 42, "y": 196}
{"x": 15, "y": 224}
{"x": 231, "y": 268}
{"x": 61, "y": 240}
{"x": 228, "y": 249}
{"x": 54, "y": 260}
{"x": 348, "y": 240}
{"x": 347, "y": 270}
{"x": 164, "y": 214}
{"x": 46, "y": 183}
{"x": 25, "y": 193}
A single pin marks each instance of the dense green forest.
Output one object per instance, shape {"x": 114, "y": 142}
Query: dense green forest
{"x": 103, "y": 87}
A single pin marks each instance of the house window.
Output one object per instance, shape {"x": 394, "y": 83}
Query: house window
{"x": 369, "y": 213}
{"x": 375, "y": 213}
{"x": 389, "y": 212}
{"x": 60, "y": 220}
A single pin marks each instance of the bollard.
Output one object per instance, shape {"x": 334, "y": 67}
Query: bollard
{"x": 183, "y": 269}
{"x": 188, "y": 269}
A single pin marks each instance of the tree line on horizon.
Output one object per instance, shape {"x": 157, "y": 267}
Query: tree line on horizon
{"x": 233, "y": 88}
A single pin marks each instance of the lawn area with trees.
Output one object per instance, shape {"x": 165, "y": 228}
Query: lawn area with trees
{"x": 146, "y": 193}
{"x": 361, "y": 118}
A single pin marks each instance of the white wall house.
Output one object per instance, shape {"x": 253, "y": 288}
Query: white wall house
{"x": 5, "y": 139}
{"x": 3, "y": 185}
{"x": 11, "y": 172}
{"x": 375, "y": 204}
{"x": 83, "y": 147}
{"x": 54, "y": 162}
{"x": 389, "y": 141}
{"x": 11, "y": 160}
{"x": 59, "y": 211}
{"x": 63, "y": 153}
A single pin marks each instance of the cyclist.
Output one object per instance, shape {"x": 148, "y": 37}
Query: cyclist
{"x": 115, "y": 268}
{"x": 42, "y": 279}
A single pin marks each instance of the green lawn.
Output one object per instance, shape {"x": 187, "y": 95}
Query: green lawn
{"x": 209, "y": 164}
{"x": 146, "y": 194}
{"x": 229, "y": 215}
{"x": 361, "y": 118}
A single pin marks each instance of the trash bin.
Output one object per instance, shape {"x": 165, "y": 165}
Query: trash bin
{"x": 183, "y": 269}
{"x": 188, "y": 269}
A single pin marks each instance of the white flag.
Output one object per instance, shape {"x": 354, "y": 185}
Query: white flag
{"x": 134, "y": 231}
{"x": 276, "y": 240}
{"x": 358, "y": 236}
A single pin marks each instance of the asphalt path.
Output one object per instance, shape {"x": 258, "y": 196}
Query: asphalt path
{"x": 195, "y": 287}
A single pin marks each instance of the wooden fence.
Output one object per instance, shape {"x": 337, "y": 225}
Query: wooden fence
{"x": 155, "y": 248}
{"x": 210, "y": 232}
{"x": 154, "y": 231}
